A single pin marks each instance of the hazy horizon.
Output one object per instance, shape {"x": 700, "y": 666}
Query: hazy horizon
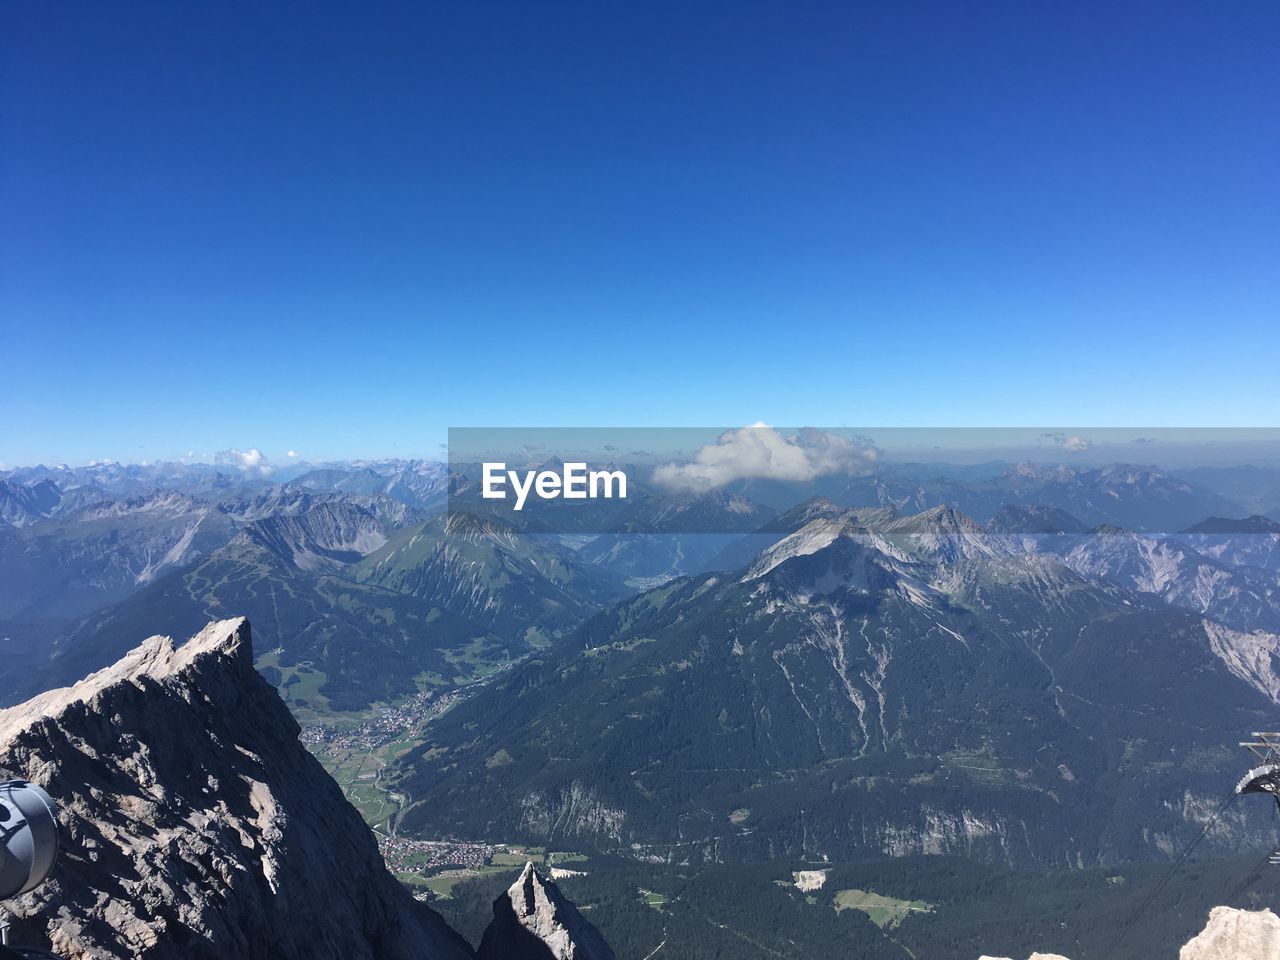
{"x": 1169, "y": 448}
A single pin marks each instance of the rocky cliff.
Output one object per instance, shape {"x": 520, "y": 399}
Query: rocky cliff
{"x": 1230, "y": 934}
{"x": 196, "y": 826}
{"x": 534, "y": 921}
{"x": 1236, "y": 935}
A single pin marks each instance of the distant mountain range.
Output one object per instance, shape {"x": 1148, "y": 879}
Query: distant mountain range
{"x": 1171, "y": 567}
{"x": 85, "y": 557}
{"x": 85, "y": 569}
{"x": 1138, "y": 497}
{"x": 423, "y": 479}
{"x": 429, "y": 603}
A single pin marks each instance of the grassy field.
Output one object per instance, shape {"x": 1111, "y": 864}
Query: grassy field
{"x": 507, "y": 859}
{"x": 477, "y": 659}
{"x": 359, "y": 774}
{"x": 653, "y": 899}
{"x": 300, "y": 686}
{"x": 442, "y": 884}
{"x": 360, "y": 771}
{"x": 885, "y": 912}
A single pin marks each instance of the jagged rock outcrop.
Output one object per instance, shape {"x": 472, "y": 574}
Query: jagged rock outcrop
{"x": 195, "y": 825}
{"x": 1230, "y": 934}
{"x": 1233, "y": 934}
{"x": 534, "y": 921}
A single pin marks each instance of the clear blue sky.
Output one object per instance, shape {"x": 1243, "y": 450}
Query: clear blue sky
{"x": 343, "y": 229}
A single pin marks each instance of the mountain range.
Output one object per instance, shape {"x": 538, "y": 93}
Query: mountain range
{"x": 871, "y": 683}
{"x": 431, "y": 604}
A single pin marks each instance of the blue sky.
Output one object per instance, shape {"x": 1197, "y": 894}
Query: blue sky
{"x": 341, "y": 230}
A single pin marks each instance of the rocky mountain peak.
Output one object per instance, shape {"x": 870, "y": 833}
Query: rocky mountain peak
{"x": 21, "y": 503}
{"x": 329, "y": 534}
{"x": 1227, "y": 525}
{"x": 159, "y": 502}
{"x": 1111, "y": 530}
{"x": 848, "y": 541}
{"x": 944, "y": 536}
{"x": 1233, "y": 934}
{"x": 1041, "y": 473}
{"x": 156, "y": 660}
{"x": 1230, "y": 934}
{"x": 812, "y": 509}
{"x": 942, "y": 519}
{"x": 1031, "y": 518}
{"x": 195, "y": 825}
{"x": 534, "y": 921}
{"x": 815, "y": 536}
{"x": 1139, "y": 475}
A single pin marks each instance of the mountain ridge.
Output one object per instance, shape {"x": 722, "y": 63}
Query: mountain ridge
{"x": 184, "y": 839}
{"x": 857, "y": 674}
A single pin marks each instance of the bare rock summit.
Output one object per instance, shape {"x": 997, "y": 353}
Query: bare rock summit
{"x": 195, "y": 824}
{"x": 1233, "y": 934}
{"x": 533, "y": 920}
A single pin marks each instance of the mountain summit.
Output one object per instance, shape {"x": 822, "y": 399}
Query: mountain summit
{"x": 533, "y": 920}
{"x": 195, "y": 824}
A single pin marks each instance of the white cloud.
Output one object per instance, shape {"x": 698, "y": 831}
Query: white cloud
{"x": 252, "y": 461}
{"x": 1071, "y": 444}
{"x": 761, "y": 452}
{"x": 292, "y": 453}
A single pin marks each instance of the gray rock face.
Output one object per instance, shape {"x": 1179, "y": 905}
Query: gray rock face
{"x": 21, "y": 503}
{"x": 1234, "y": 934}
{"x": 1244, "y": 598}
{"x": 195, "y": 825}
{"x": 534, "y": 921}
{"x": 1230, "y": 934}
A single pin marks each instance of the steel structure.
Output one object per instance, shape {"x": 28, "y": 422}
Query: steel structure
{"x": 1264, "y": 777}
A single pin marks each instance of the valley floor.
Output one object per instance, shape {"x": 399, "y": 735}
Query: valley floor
{"x": 939, "y": 908}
